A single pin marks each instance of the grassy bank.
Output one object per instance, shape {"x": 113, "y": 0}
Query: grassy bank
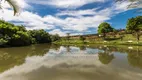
{"x": 128, "y": 39}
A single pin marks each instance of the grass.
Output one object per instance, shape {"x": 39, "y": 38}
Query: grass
{"x": 128, "y": 39}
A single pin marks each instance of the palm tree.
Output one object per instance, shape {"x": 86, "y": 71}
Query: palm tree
{"x": 13, "y": 4}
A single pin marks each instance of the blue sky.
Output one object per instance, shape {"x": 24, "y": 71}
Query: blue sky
{"x": 69, "y": 16}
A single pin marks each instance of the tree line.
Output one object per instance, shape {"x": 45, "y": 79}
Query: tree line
{"x": 134, "y": 26}
{"x": 12, "y": 35}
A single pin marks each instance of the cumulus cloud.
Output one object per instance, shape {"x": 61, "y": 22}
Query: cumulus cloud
{"x": 57, "y": 31}
{"x": 75, "y": 20}
{"x": 122, "y": 5}
{"x": 64, "y": 3}
{"x": 77, "y": 13}
{"x": 29, "y": 19}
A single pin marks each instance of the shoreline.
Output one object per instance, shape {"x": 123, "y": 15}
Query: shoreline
{"x": 126, "y": 43}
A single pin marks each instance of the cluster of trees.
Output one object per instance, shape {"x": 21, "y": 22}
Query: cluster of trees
{"x": 134, "y": 26}
{"x": 11, "y": 35}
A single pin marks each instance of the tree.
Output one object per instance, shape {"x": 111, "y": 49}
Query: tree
{"x": 55, "y": 37}
{"x": 114, "y": 33}
{"x": 68, "y": 36}
{"x": 104, "y": 28}
{"x": 40, "y": 36}
{"x": 20, "y": 38}
{"x": 135, "y": 26}
{"x": 82, "y": 38}
{"x": 13, "y": 4}
{"x": 121, "y": 34}
{"x": 12, "y": 35}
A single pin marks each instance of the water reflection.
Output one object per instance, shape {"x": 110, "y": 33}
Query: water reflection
{"x": 106, "y": 57}
{"x": 56, "y": 62}
{"x": 82, "y": 48}
{"x": 135, "y": 58}
{"x": 9, "y": 57}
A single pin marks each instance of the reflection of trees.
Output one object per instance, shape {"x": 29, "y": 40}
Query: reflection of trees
{"x": 82, "y": 48}
{"x": 68, "y": 49}
{"x": 8, "y": 60}
{"x": 135, "y": 58}
{"x": 55, "y": 46}
{"x": 9, "y": 57}
{"x": 105, "y": 57}
{"x": 113, "y": 48}
{"x": 38, "y": 49}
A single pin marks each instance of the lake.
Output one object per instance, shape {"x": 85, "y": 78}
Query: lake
{"x": 55, "y": 62}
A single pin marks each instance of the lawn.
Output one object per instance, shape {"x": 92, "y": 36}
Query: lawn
{"x": 128, "y": 39}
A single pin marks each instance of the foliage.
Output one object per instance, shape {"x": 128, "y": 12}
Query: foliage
{"x": 2, "y": 41}
{"x": 135, "y": 26}
{"x": 121, "y": 34}
{"x": 68, "y": 36}
{"x": 20, "y": 39}
{"x": 40, "y": 36}
{"x": 82, "y": 38}
{"x": 104, "y": 28}
{"x": 55, "y": 37}
{"x": 12, "y": 35}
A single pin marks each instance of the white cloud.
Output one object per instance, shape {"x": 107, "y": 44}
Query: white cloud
{"x": 57, "y": 31}
{"x": 64, "y": 3}
{"x": 77, "y": 13}
{"x": 29, "y": 19}
{"x": 77, "y": 23}
{"x": 121, "y": 5}
{"x": 82, "y": 23}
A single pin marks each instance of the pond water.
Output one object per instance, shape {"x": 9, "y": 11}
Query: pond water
{"x": 55, "y": 62}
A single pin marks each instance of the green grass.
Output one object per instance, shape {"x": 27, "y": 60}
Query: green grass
{"x": 125, "y": 41}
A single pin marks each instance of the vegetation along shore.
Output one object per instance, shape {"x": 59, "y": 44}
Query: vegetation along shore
{"x": 108, "y": 35}
{"x": 12, "y": 35}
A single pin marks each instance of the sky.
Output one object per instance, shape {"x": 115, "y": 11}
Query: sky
{"x": 68, "y": 16}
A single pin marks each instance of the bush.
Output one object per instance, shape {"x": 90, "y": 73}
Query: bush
{"x": 18, "y": 36}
